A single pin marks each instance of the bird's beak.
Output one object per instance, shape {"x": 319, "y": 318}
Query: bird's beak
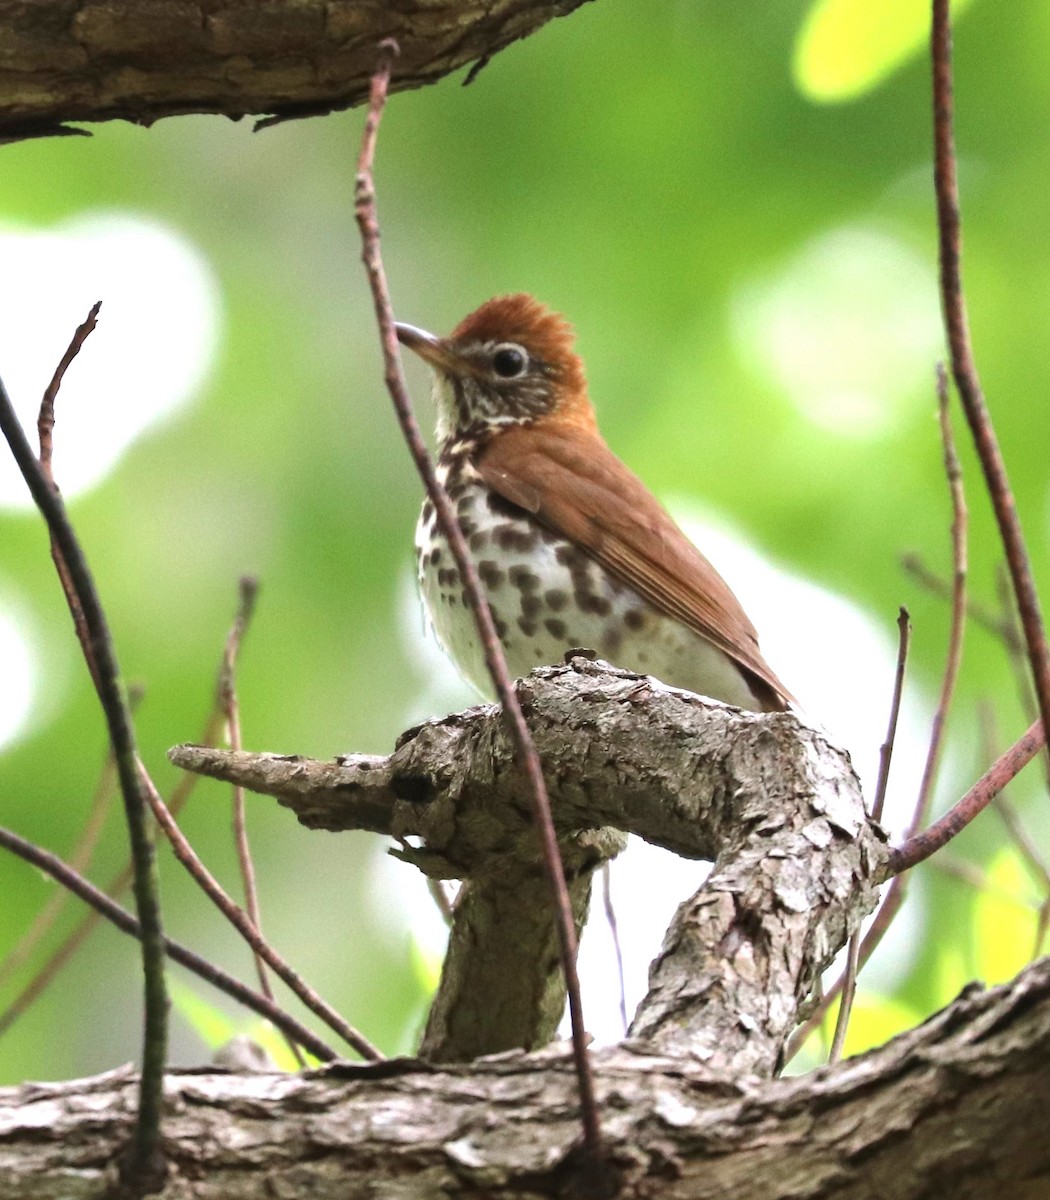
{"x": 431, "y": 349}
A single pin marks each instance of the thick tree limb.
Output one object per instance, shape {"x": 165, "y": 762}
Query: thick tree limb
{"x": 766, "y": 797}
{"x": 140, "y": 60}
{"x": 954, "y": 1108}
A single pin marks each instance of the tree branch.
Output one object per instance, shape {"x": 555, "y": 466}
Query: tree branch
{"x": 768, "y": 798}
{"x": 141, "y": 60}
{"x": 956, "y": 1107}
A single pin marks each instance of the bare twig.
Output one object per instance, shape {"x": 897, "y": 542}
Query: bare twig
{"x": 1018, "y": 656}
{"x": 918, "y": 848}
{"x": 849, "y": 992}
{"x": 1018, "y": 834}
{"x": 45, "y": 425}
{"x": 991, "y": 783}
{"x": 886, "y": 750}
{"x": 436, "y": 888}
{"x": 888, "y": 909}
{"x": 143, "y": 1167}
{"x": 79, "y": 859}
{"x": 237, "y": 917}
{"x": 226, "y": 699}
{"x": 117, "y": 885}
{"x": 964, "y": 369}
{"x": 989, "y": 620}
{"x": 365, "y": 212}
{"x": 848, "y": 984}
{"x": 614, "y": 930}
{"x": 953, "y": 658}
{"x": 1023, "y": 840}
{"x": 45, "y": 861}
{"x": 894, "y": 897}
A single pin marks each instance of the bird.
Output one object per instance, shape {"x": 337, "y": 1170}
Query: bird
{"x": 572, "y": 549}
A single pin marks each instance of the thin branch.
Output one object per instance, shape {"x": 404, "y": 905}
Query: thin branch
{"x": 886, "y": 750}
{"x": 45, "y": 425}
{"x": 80, "y": 858}
{"x": 989, "y": 620}
{"x": 368, "y": 222}
{"x": 974, "y": 877}
{"x": 143, "y": 1166}
{"x": 914, "y": 851}
{"x": 227, "y": 700}
{"x": 117, "y": 885}
{"x": 52, "y": 865}
{"x": 614, "y": 930}
{"x": 894, "y": 897}
{"x": 964, "y": 368}
{"x": 849, "y": 992}
{"x": 436, "y": 888}
{"x": 237, "y": 917}
{"x": 1023, "y": 841}
{"x": 1018, "y": 834}
{"x": 876, "y": 931}
{"x": 1017, "y": 654}
{"x": 953, "y": 658}
{"x": 991, "y": 783}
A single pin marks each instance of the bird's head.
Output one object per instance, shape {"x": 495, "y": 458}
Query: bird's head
{"x": 511, "y": 362}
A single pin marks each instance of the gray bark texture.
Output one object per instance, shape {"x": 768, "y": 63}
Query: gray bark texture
{"x": 690, "y": 1104}
{"x": 776, "y": 807}
{"x": 140, "y": 60}
{"x": 953, "y": 1110}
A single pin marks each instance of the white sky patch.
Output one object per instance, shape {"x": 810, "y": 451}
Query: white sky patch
{"x": 19, "y": 672}
{"x": 849, "y": 329}
{"x": 154, "y": 345}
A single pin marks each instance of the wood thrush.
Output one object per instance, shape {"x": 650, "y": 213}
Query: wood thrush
{"x": 572, "y": 549}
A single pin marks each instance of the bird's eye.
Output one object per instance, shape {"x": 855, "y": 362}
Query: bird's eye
{"x": 510, "y": 361}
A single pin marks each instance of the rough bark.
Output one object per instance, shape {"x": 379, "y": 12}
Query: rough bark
{"x": 94, "y": 60}
{"x": 956, "y": 1108}
{"x": 768, "y": 798}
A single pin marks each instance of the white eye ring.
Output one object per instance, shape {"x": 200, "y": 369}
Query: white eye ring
{"x": 509, "y": 360}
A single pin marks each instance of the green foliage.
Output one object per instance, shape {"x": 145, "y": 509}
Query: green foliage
{"x": 846, "y": 48}
{"x": 658, "y": 173}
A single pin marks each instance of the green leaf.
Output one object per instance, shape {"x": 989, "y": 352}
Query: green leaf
{"x": 846, "y": 48}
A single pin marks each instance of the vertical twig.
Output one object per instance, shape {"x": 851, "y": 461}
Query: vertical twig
{"x": 614, "y": 930}
{"x": 964, "y": 369}
{"x": 849, "y": 992}
{"x": 368, "y": 222}
{"x": 860, "y": 953}
{"x": 1013, "y": 638}
{"x": 436, "y": 888}
{"x": 226, "y": 698}
{"x": 143, "y": 1166}
{"x": 1016, "y": 831}
{"x": 886, "y": 749}
{"x": 849, "y": 979}
{"x": 953, "y": 658}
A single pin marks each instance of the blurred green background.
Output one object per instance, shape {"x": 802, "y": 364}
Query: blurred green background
{"x": 733, "y": 205}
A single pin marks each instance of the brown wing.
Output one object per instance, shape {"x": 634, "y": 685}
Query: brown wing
{"x": 575, "y": 484}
